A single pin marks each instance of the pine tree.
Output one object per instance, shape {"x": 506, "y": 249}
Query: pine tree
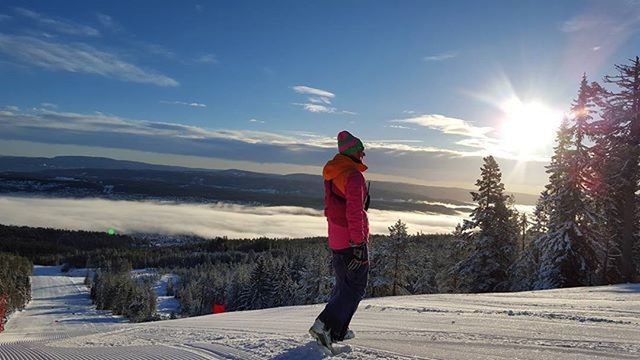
{"x": 492, "y": 234}
{"x": 625, "y": 112}
{"x": 186, "y": 300}
{"x": 568, "y": 249}
{"x": 421, "y": 276}
{"x": 582, "y": 174}
{"x": 236, "y": 288}
{"x": 260, "y": 292}
{"x": 285, "y": 288}
{"x": 393, "y": 259}
{"x": 523, "y": 224}
{"x": 606, "y": 189}
{"x": 540, "y": 216}
{"x": 524, "y": 271}
{"x": 315, "y": 279}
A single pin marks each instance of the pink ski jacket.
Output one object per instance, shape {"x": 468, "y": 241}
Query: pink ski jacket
{"x": 345, "y": 194}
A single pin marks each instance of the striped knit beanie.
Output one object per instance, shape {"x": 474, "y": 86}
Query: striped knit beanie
{"x": 348, "y": 144}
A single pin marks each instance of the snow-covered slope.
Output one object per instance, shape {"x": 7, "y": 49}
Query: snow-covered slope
{"x": 580, "y": 323}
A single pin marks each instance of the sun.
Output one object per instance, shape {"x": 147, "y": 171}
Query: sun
{"x": 527, "y": 127}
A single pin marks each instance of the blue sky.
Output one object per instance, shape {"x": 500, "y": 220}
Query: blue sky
{"x": 267, "y": 85}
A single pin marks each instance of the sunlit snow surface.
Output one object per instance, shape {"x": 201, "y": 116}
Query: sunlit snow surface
{"x": 579, "y": 323}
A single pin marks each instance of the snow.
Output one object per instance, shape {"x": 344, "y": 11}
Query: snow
{"x": 60, "y": 307}
{"x": 166, "y": 305}
{"x": 578, "y": 323}
{"x": 80, "y": 272}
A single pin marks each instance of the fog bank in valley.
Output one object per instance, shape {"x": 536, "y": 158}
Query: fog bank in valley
{"x": 207, "y": 220}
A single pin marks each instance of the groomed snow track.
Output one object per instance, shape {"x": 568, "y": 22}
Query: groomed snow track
{"x": 33, "y": 351}
{"x": 61, "y": 309}
{"x": 563, "y": 324}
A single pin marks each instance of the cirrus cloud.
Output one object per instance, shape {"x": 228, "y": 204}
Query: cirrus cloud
{"x": 77, "y": 58}
{"x": 441, "y": 56}
{"x": 447, "y": 125}
{"x": 301, "y": 89}
{"x": 58, "y": 25}
{"x": 319, "y": 101}
{"x": 185, "y": 103}
{"x": 67, "y": 133}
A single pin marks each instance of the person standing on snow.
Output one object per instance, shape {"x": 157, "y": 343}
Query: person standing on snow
{"x": 346, "y": 203}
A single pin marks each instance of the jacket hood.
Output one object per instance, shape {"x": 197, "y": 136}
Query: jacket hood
{"x": 340, "y": 165}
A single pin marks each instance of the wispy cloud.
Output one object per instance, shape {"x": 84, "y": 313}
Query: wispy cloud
{"x": 319, "y": 101}
{"x": 12, "y": 108}
{"x": 101, "y": 123}
{"x": 256, "y": 121}
{"x": 109, "y": 23}
{"x": 207, "y": 59}
{"x": 447, "y": 125}
{"x": 481, "y": 143}
{"x": 49, "y": 105}
{"x": 146, "y": 48}
{"x": 441, "y": 56}
{"x": 4, "y": 17}
{"x": 582, "y": 23}
{"x": 58, "y": 25}
{"x": 191, "y": 104}
{"x": 399, "y": 127}
{"x": 78, "y": 58}
{"x": 45, "y": 132}
{"x": 105, "y": 124}
{"x": 597, "y": 33}
{"x": 306, "y": 90}
{"x": 316, "y": 108}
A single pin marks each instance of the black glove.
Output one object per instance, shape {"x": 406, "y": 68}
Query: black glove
{"x": 359, "y": 257}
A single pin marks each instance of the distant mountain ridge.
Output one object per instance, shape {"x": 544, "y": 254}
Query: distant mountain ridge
{"x": 87, "y": 176}
{"x": 20, "y": 163}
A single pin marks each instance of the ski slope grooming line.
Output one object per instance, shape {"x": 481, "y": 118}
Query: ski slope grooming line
{"x": 565, "y": 324}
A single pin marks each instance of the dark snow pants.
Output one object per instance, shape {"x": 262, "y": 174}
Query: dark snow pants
{"x": 346, "y": 295}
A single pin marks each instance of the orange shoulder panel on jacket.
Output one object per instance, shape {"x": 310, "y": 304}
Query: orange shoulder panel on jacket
{"x": 338, "y": 170}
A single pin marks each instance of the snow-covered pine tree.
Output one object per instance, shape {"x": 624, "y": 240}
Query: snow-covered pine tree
{"x": 421, "y": 277}
{"x": 607, "y": 162}
{"x": 523, "y": 225}
{"x": 285, "y": 288}
{"x": 522, "y": 272}
{"x": 625, "y": 110}
{"x": 315, "y": 279}
{"x": 540, "y": 221}
{"x": 392, "y": 259}
{"x": 582, "y": 167}
{"x": 235, "y": 289}
{"x": 260, "y": 292}
{"x": 492, "y": 234}
{"x": 567, "y": 252}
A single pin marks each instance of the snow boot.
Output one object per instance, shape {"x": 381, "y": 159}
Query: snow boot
{"x": 349, "y": 335}
{"x": 321, "y": 335}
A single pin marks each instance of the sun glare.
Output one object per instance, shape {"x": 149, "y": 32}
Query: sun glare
{"x": 527, "y": 127}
